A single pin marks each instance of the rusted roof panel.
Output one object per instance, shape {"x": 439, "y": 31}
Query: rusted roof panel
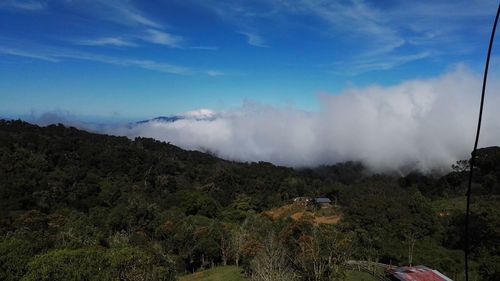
{"x": 417, "y": 273}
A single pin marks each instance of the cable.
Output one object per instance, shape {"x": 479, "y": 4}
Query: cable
{"x": 473, "y": 159}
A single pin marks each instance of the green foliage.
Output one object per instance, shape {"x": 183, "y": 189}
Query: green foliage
{"x": 66, "y": 264}
{"x": 83, "y": 206}
{"x": 14, "y": 255}
{"x": 89, "y": 264}
{"x": 359, "y": 276}
{"x": 231, "y": 273}
{"x": 195, "y": 203}
{"x": 132, "y": 263}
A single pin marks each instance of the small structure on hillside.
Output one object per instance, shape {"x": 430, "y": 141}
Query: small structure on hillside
{"x": 305, "y": 201}
{"x": 318, "y": 202}
{"x": 322, "y": 202}
{"x": 415, "y": 273}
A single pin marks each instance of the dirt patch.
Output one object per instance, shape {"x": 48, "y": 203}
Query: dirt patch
{"x": 197, "y": 276}
{"x": 444, "y": 214}
{"x": 327, "y": 219}
{"x": 298, "y": 212}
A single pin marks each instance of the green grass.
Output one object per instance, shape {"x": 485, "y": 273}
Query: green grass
{"x": 222, "y": 273}
{"x": 458, "y": 204}
{"x": 449, "y": 204}
{"x": 233, "y": 273}
{"x": 359, "y": 276}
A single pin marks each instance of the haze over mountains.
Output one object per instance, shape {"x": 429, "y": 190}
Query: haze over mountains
{"x": 423, "y": 124}
{"x": 198, "y": 115}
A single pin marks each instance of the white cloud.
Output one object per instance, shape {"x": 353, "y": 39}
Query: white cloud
{"x": 206, "y": 48}
{"x": 397, "y": 31}
{"x": 427, "y": 124}
{"x": 255, "y": 39}
{"x": 27, "y": 54}
{"x": 55, "y": 55}
{"x": 58, "y": 54}
{"x": 119, "y": 11}
{"x": 203, "y": 113}
{"x": 163, "y": 38}
{"x": 27, "y": 5}
{"x": 135, "y": 16}
{"x": 372, "y": 63}
{"x": 215, "y": 73}
{"x": 149, "y": 35}
{"x": 107, "y": 41}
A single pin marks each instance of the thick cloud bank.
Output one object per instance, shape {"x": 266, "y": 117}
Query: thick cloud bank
{"x": 423, "y": 124}
{"x": 427, "y": 124}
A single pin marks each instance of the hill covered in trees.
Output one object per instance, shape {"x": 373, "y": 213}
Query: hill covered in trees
{"x": 82, "y": 206}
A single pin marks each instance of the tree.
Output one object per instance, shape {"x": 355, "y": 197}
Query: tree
{"x": 89, "y": 264}
{"x": 237, "y": 237}
{"x": 225, "y": 242}
{"x": 66, "y": 264}
{"x": 321, "y": 254}
{"x": 133, "y": 263}
{"x": 272, "y": 264}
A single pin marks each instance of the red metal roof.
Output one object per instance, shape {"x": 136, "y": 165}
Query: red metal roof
{"x": 417, "y": 273}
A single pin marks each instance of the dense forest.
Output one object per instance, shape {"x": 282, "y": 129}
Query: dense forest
{"x": 82, "y": 206}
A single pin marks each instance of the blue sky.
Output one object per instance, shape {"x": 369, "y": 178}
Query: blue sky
{"x": 128, "y": 60}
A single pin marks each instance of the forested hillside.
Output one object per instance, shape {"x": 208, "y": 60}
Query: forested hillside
{"x": 82, "y": 206}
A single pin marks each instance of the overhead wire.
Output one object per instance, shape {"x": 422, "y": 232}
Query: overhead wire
{"x": 473, "y": 155}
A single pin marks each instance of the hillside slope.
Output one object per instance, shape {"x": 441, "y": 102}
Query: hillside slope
{"x": 76, "y": 203}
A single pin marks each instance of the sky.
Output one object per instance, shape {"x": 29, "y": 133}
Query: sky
{"x": 129, "y": 60}
{"x": 392, "y": 84}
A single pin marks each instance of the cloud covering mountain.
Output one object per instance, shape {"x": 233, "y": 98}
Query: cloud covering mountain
{"x": 427, "y": 124}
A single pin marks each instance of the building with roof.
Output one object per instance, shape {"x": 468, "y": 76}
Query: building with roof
{"x": 415, "y": 273}
{"x": 323, "y": 202}
{"x": 302, "y": 200}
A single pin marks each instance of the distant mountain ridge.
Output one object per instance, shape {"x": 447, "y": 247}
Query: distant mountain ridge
{"x": 166, "y": 119}
{"x": 197, "y": 115}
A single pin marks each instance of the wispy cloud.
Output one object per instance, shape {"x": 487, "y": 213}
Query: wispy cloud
{"x": 163, "y": 38}
{"x": 56, "y": 55}
{"x": 206, "y": 48}
{"x": 355, "y": 18}
{"x": 386, "y": 31}
{"x": 107, "y": 41}
{"x": 133, "y": 15}
{"x": 214, "y": 73}
{"x": 145, "y": 64}
{"x": 27, "y": 5}
{"x": 122, "y": 12}
{"x": 27, "y": 54}
{"x": 149, "y": 35}
{"x": 254, "y": 39}
{"x": 375, "y": 63}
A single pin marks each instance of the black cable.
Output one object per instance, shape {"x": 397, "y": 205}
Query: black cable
{"x": 473, "y": 159}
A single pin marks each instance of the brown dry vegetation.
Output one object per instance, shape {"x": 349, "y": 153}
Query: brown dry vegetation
{"x": 297, "y": 212}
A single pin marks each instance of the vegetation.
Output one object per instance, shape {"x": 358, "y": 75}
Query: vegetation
{"x": 229, "y": 272}
{"x": 359, "y": 276}
{"x": 83, "y": 206}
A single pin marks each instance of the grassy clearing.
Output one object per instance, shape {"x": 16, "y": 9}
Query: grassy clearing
{"x": 449, "y": 204}
{"x": 359, "y": 276}
{"x": 222, "y": 273}
{"x": 233, "y": 273}
{"x": 459, "y": 203}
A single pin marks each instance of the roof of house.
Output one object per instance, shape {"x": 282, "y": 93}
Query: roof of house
{"x": 322, "y": 200}
{"x": 417, "y": 273}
